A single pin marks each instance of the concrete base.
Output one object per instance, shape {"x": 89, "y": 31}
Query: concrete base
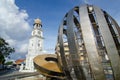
{"x": 27, "y": 70}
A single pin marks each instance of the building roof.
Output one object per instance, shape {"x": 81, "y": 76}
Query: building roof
{"x": 19, "y": 61}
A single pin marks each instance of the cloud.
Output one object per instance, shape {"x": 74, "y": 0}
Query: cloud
{"x": 23, "y": 48}
{"x": 14, "y": 26}
{"x": 86, "y": 1}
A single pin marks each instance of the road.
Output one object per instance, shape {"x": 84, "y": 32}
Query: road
{"x": 13, "y": 74}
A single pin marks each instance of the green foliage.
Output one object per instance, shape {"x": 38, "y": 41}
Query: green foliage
{"x": 9, "y": 63}
{"x": 2, "y": 59}
{"x": 5, "y": 50}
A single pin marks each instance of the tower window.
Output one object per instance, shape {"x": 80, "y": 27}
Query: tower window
{"x": 38, "y": 44}
{"x": 38, "y": 32}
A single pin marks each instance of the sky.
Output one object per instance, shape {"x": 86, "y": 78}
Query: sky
{"x": 17, "y": 18}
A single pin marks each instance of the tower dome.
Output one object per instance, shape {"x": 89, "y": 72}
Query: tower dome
{"x": 37, "y": 21}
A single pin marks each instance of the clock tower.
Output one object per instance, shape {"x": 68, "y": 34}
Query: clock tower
{"x": 35, "y": 45}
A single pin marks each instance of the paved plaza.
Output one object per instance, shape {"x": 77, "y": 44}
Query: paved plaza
{"x": 16, "y": 75}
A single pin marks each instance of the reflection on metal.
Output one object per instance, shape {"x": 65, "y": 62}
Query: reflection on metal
{"x": 88, "y": 45}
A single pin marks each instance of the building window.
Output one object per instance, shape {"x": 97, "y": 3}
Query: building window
{"x": 38, "y": 44}
{"x": 38, "y": 32}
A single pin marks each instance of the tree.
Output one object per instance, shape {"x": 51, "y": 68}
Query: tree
{"x": 5, "y": 50}
{"x": 9, "y": 63}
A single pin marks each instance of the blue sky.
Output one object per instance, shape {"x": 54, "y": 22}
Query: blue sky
{"x": 17, "y": 18}
{"x": 51, "y": 13}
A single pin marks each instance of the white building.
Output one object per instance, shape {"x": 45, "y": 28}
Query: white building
{"x": 35, "y": 45}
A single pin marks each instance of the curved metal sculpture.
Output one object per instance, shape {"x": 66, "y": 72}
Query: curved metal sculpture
{"x": 88, "y": 46}
{"x": 46, "y": 64}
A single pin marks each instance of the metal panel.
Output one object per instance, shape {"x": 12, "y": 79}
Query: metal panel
{"x": 117, "y": 28}
{"x": 73, "y": 47}
{"x": 114, "y": 23}
{"x": 62, "y": 52}
{"x": 114, "y": 29}
{"x": 109, "y": 43}
{"x": 90, "y": 45}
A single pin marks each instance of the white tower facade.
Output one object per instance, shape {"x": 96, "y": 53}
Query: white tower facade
{"x": 35, "y": 45}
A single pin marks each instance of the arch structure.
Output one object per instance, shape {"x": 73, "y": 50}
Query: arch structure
{"x": 88, "y": 45}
